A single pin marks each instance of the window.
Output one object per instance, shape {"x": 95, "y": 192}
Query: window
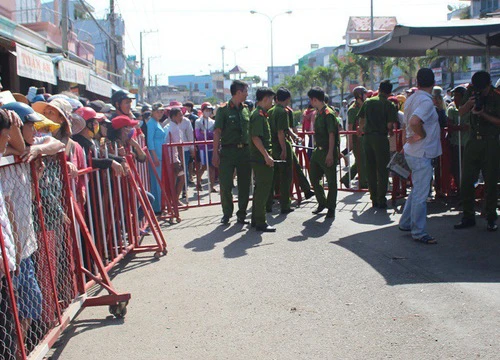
{"x": 206, "y": 85}
{"x": 488, "y": 5}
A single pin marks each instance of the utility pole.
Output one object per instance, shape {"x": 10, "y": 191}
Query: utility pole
{"x": 371, "y": 38}
{"x": 64, "y": 26}
{"x": 223, "y": 48}
{"x": 141, "y": 80}
{"x": 112, "y": 45}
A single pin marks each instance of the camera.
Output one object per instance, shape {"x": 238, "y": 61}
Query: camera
{"x": 478, "y": 101}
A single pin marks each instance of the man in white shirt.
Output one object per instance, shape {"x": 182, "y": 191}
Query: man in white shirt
{"x": 422, "y": 145}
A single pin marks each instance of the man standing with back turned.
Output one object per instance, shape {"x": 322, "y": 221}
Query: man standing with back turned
{"x": 423, "y": 143}
{"x": 231, "y": 132}
{"x": 376, "y": 118}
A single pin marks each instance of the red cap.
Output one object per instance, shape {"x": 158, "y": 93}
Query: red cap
{"x": 206, "y": 105}
{"x": 394, "y": 99}
{"x": 369, "y": 93}
{"x": 122, "y": 121}
{"x": 87, "y": 113}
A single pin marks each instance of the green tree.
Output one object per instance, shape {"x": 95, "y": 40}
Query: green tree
{"x": 363, "y": 67}
{"x": 345, "y": 68}
{"x": 326, "y": 76}
{"x": 450, "y": 63}
{"x": 408, "y": 66}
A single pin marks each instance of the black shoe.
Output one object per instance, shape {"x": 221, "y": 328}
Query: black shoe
{"x": 382, "y": 206}
{"x": 252, "y": 223}
{"x": 287, "y": 211}
{"x": 241, "y": 220}
{"x": 265, "y": 228}
{"x": 465, "y": 223}
{"x": 374, "y": 205}
{"x": 308, "y": 195}
{"x": 330, "y": 214}
{"x": 492, "y": 226}
{"x": 224, "y": 220}
{"x": 319, "y": 209}
{"x": 346, "y": 183}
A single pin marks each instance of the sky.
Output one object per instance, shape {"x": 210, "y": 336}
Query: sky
{"x": 187, "y": 37}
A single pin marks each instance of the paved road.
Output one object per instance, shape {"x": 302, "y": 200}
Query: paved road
{"x": 353, "y": 288}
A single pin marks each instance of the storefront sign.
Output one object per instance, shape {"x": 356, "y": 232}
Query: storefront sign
{"x": 35, "y": 66}
{"x": 438, "y": 75}
{"x": 72, "y": 72}
{"x": 99, "y": 86}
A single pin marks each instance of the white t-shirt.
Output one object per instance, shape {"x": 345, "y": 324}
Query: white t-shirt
{"x": 421, "y": 105}
{"x": 10, "y": 247}
{"x": 16, "y": 183}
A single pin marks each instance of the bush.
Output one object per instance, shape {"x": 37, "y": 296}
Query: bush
{"x": 297, "y": 118}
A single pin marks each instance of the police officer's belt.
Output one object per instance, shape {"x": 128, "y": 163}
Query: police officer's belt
{"x": 485, "y": 137}
{"x": 238, "y": 146}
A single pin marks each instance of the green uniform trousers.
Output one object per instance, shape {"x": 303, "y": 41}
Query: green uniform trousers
{"x": 317, "y": 169}
{"x": 358, "y": 167}
{"x": 263, "y": 176}
{"x": 297, "y": 170}
{"x": 283, "y": 176}
{"x": 377, "y": 157}
{"x": 231, "y": 159}
{"x": 480, "y": 155}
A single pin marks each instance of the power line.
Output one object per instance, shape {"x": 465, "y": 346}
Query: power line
{"x": 96, "y": 22}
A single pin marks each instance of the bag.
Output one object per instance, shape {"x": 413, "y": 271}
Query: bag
{"x": 399, "y": 166}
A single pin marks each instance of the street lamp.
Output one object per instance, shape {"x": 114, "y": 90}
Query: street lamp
{"x": 235, "y": 52}
{"x": 271, "y": 19}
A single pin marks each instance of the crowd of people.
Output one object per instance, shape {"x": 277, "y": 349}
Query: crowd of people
{"x": 235, "y": 139}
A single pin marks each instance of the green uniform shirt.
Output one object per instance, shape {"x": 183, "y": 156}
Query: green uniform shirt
{"x": 259, "y": 126}
{"x": 324, "y": 124}
{"x": 291, "y": 122}
{"x": 378, "y": 112}
{"x": 233, "y": 122}
{"x": 278, "y": 120}
{"x": 478, "y": 125}
{"x": 352, "y": 115}
{"x": 452, "y": 114}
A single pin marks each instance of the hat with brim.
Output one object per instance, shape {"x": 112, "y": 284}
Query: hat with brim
{"x": 100, "y": 117}
{"x": 174, "y": 104}
{"x": 60, "y": 105}
{"x": 77, "y": 123}
{"x": 21, "y": 98}
{"x": 46, "y": 124}
{"x": 123, "y": 121}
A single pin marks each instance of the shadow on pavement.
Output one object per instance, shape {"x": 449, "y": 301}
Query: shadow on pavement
{"x": 78, "y": 327}
{"x": 238, "y": 248}
{"x": 219, "y": 234}
{"x": 469, "y": 255}
{"x": 315, "y": 227}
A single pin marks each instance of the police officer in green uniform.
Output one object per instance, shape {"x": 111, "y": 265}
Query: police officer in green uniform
{"x": 260, "y": 155}
{"x": 356, "y": 143}
{"x": 376, "y": 118}
{"x": 281, "y": 149}
{"x": 459, "y": 134}
{"x": 325, "y": 154}
{"x": 231, "y": 133}
{"x": 297, "y": 168}
{"x": 482, "y": 151}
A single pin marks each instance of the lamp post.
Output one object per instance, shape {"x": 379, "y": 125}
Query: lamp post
{"x": 141, "y": 81}
{"x": 271, "y": 19}
{"x": 236, "y": 51}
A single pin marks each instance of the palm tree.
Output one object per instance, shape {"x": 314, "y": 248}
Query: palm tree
{"x": 344, "y": 68}
{"x": 298, "y": 85}
{"x": 452, "y": 64}
{"x": 408, "y": 66}
{"x": 363, "y": 65}
{"x": 326, "y": 75}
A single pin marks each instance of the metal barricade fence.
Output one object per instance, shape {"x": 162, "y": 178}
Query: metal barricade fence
{"x": 44, "y": 286}
{"x": 65, "y": 235}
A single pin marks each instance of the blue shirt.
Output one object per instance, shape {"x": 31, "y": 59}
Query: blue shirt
{"x": 156, "y": 137}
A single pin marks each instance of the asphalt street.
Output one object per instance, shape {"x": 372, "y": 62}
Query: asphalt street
{"x": 351, "y": 288}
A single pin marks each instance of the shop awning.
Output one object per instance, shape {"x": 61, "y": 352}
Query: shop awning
{"x": 33, "y": 65}
{"x": 99, "y": 85}
{"x": 73, "y": 72}
{"x": 472, "y": 37}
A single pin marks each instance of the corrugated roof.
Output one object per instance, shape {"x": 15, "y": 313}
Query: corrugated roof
{"x": 237, "y": 70}
{"x": 363, "y": 23}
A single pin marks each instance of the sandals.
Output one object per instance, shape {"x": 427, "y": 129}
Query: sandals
{"x": 427, "y": 239}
